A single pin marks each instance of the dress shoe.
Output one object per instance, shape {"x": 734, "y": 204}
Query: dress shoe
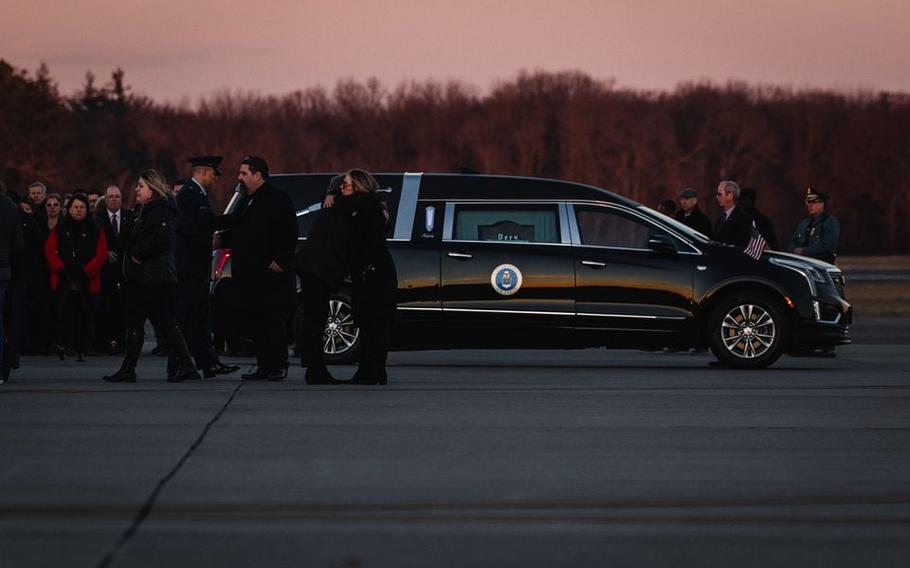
{"x": 80, "y": 357}
{"x": 219, "y": 369}
{"x": 277, "y": 375}
{"x": 256, "y": 374}
{"x": 121, "y": 376}
{"x": 184, "y": 374}
{"x": 60, "y": 351}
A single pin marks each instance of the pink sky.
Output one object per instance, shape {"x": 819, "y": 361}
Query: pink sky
{"x": 172, "y": 50}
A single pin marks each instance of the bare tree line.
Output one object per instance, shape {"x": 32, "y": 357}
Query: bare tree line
{"x": 644, "y": 145}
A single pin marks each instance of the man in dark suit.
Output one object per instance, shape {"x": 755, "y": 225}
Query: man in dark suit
{"x": 117, "y": 223}
{"x": 690, "y": 215}
{"x": 195, "y": 227}
{"x": 264, "y": 238}
{"x": 748, "y": 200}
{"x": 734, "y": 226}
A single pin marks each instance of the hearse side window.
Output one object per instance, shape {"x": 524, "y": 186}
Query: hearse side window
{"x": 603, "y": 227}
{"x": 506, "y": 223}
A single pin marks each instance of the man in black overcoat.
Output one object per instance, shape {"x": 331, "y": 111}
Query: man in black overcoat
{"x": 195, "y": 226}
{"x": 734, "y": 226}
{"x": 748, "y": 199}
{"x": 264, "y": 238}
{"x": 117, "y": 223}
{"x": 690, "y": 215}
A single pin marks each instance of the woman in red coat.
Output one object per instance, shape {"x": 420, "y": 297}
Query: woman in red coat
{"x": 76, "y": 252}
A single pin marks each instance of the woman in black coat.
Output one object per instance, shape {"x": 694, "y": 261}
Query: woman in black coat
{"x": 374, "y": 280}
{"x": 150, "y": 274}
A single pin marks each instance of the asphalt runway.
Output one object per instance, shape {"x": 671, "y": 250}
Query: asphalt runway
{"x": 468, "y": 458}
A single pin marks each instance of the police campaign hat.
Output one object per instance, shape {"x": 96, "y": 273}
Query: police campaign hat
{"x": 213, "y": 162}
{"x": 688, "y": 193}
{"x": 814, "y": 196}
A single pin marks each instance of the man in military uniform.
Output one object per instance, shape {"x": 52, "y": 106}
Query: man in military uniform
{"x": 195, "y": 226}
{"x": 690, "y": 215}
{"x": 264, "y": 238}
{"x": 818, "y": 235}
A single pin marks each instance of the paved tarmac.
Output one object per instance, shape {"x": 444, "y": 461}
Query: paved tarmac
{"x": 469, "y": 458}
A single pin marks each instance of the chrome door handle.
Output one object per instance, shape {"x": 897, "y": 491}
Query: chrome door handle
{"x": 594, "y": 263}
{"x": 462, "y": 255}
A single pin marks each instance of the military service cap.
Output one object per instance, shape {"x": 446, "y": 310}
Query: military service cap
{"x": 213, "y": 162}
{"x": 813, "y": 196}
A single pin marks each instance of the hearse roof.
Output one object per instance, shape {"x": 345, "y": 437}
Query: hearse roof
{"x": 449, "y": 186}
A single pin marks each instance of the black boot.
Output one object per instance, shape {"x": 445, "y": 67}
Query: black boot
{"x": 133, "y": 347}
{"x": 186, "y": 371}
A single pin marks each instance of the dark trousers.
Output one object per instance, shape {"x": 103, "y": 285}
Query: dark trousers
{"x": 268, "y": 327}
{"x": 374, "y": 313}
{"x": 314, "y": 307}
{"x": 194, "y": 320}
{"x": 15, "y": 313}
{"x": 155, "y": 304}
{"x": 3, "y": 354}
{"x": 76, "y": 319}
{"x": 111, "y": 325}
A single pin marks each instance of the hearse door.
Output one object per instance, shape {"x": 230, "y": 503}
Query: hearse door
{"x": 631, "y": 275}
{"x": 507, "y": 274}
{"x": 415, "y": 250}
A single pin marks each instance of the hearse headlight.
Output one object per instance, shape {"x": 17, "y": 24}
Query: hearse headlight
{"x": 809, "y": 272}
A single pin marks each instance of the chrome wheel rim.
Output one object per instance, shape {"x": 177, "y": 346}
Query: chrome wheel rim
{"x": 340, "y": 333}
{"x": 748, "y": 331}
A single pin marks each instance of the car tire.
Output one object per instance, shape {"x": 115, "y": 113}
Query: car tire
{"x": 748, "y": 331}
{"x": 341, "y": 338}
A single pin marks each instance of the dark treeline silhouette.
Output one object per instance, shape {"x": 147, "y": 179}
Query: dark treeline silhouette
{"x": 644, "y": 145}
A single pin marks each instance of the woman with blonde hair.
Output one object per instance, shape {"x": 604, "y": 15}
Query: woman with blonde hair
{"x": 374, "y": 280}
{"x": 150, "y": 275}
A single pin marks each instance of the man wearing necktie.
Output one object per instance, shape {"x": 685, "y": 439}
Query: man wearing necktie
{"x": 195, "y": 227}
{"x": 116, "y": 222}
{"x": 734, "y": 226}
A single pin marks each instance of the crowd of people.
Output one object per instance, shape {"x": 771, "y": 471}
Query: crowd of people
{"x": 79, "y": 274}
{"x": 817, "y": 235}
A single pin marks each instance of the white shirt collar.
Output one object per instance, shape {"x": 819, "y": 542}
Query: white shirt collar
{"x": 112, "y": 214}
{"x": 199, "y": 185}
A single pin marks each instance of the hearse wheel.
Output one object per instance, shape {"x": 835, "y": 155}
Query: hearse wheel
{"x": 341, "y": 337}
{"x": 747, "y": 331}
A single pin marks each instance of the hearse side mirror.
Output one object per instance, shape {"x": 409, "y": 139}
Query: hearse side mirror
{"x": 662, "y": 244}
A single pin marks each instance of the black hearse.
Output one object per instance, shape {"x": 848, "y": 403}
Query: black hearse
{"x": 500, "y": 261}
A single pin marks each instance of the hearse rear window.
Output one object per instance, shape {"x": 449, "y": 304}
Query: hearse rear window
{"x": 506, "y": 223}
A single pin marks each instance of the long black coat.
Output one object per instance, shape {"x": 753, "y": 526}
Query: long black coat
{"x": 696, "y": 220}
{"x": 737, "y": 230}
{"x": 111, "y": 274}
{"x": 195, "y": 227}
{"x": 265, "y": 230}
{"x": 151, "y": 242}
{"x": 324, "y": 254}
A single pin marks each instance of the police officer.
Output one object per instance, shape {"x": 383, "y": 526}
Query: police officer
{"x": 195, "y": 227}
{"x": 264, "y": 238}
{"x": 818, "y": 235}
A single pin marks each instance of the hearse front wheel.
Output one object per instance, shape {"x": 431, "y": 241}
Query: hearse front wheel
{"x": 747, "y": 331}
